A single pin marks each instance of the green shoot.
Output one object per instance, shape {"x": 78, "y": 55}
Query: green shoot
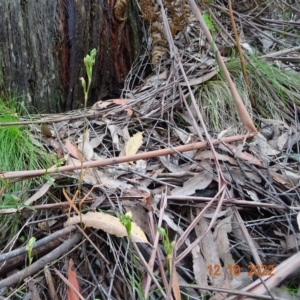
{"x": 168, "y": 246}
{"x": 209, "y": 23}
{"x": 125, "y": 219}
{"x": 29, "y": 247}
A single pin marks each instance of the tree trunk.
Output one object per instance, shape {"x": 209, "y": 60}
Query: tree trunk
{"x": 43, "y": 43}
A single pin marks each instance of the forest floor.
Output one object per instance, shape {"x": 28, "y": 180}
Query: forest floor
{"x": 187, "y": 187}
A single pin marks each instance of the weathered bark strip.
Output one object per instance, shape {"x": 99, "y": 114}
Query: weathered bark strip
{"x": 43, "y": 43}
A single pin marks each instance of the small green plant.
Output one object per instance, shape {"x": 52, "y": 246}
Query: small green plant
{"x": 125, "y": 219}
{"x": 89, "y": 61}
{"x": 29, "y": 247}
{"x": 168, "y": 246}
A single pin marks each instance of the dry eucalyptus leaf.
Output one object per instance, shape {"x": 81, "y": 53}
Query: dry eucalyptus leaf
{"x": 220, "y": 234}
{"x": 281, "y": 142}
{"x": 182, "y": 134}
{"x": 210, "y": 254}
{"x": 170, "y": 166}
{"x": 123, "y": 102}
{"x": 109, "y": 224}
{"x": 87, "y": 150}
{"x": 205, "y": 154}
{"x": 114, "y": 135}
{"x": 198, "y": 182}
{"x": 94, "y": 176}
{"x": 41, "y": 192}
{"x": 134, "y": 143}
{"x": 261, "y": 144}
{"x": 101, "y": 104}
{"x": 96, "y": 141}
{"x": 175, "y": 282}
{"x": 198, "y": 266}
{"x": 73, "y": 150}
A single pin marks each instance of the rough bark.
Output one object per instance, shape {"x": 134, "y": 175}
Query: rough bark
{"x": 43, "y": 43}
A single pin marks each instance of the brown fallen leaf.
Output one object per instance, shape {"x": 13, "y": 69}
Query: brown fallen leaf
{"x": 72, "y": 295}
{"x": 244, "y": 155}
{"x": 73, "y": 150}
{"x": 208, "y": 154}
{"x": 124, "y": 102}
{"x": 109, "y": 224}
{"x": 175, "y": 285}
{"x": 134, "y": 143}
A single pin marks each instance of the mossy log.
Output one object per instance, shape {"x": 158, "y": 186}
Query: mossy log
{"x": 43, "y": 43}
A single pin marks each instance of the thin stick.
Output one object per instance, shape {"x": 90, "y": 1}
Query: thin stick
{"x": 118, "y": 160}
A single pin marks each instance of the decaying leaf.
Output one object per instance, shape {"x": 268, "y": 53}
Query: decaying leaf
{"x": 114, "y": 135}
{"x": 198, "y": 266}
{"x": 94, "y": 176}
{"x": 96, "y": 141}
{"x": 243, "y": 155}
{"x": 182, "y": 134}
{"x": 221, "y": 238}
{"x": 134, "y": 143}
{"x": 210, "y": 253}
{"x": 170, "y": 166}
{"x": 84, "y": 145}
{"x": 109, "y": 224}
{"x": 73, "y": 150}
{"x": 123, "y": 102}
{"x": 291, "y": 240}
{"x": 261, "y": 144}
{"x": 175, "y": 285}
{"x": 198, "y": 182}
{"x": 101, "y": 104}
{"x": 72, "y": 295}
{"x": 205, "y": 154}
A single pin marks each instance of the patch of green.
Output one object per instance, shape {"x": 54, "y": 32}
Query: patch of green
{"x": 168, "y": 246}
{"x": 216, "y": 104}
{"x": 293, "y": 286}
{"x": 136, "y": 285}
{"x": 274, "y": 90}
{"x": 29, "y": 247}
{"x": 17, "y": 153}
{"x": 209, "y": 23}
{"x": 125, "y": 219}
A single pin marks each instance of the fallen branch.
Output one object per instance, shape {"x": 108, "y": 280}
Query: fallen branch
{"x": 40, "y": 264}
{"x": 122, "y": 159}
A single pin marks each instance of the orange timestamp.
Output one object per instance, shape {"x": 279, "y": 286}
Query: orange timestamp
{"x": 235, "y": 270}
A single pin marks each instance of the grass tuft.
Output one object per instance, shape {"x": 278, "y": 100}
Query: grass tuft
{"x": 275, "y": 91}
{"x": 16, "y": 153}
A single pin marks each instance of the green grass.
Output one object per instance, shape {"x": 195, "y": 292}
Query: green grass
{"x": 17, "y": 153}
{"x": 275, "y": 92}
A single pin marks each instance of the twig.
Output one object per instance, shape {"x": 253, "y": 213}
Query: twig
{"x": 118, "y": 160}
{"x": 239, "y": 49}
{"x": 141, "y": 257}
{"x": 280, "y": 272}
{"x": 37, "y": 244}
{"x": 227, "y": 291}
{"x": 163, "y": 205}
{"x": 242, "y": 111}
{"x": 40, "y": 264}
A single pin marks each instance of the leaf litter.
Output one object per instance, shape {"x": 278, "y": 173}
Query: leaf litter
{"x": 230, "y": 209}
